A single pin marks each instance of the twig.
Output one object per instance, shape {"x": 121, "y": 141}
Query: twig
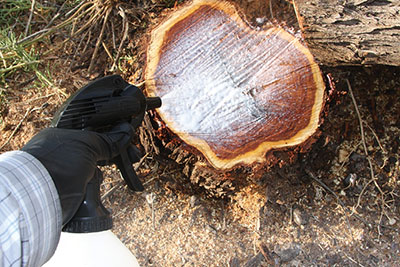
{"x": 4, "y": 61}
{"x": 150, "y": 200}
{"x": 73, "y": 27}
{"x": 99, "y": 40}
{"x": 364, "y": 144}
{"x": 87, "y": 41}
{"x": 369, "y": 224}
{"x": 140, "y": 85}
{"x": 354, "y": 261}
{"x": 348, "y": 156}
{"x": 74, "y": 9}
{"x": 30, "y": 17}
{"x": 333, "y": 193}
{"x": 112, "y": 190}
{"x": 125, "y": 30}
{"x": 107, "y": 51}
{"x": 20, "y": 65}
{"x": 78, "y": 47}
{"x": 91, "y": 22}
{"x": 361, "y": 193}
{"x": 267, "y": 255}
{"x": 19, "y": 125}
{"x": 359, "y": 117}
{"x": 141, "y": 162}
{"x": 113, "y": 35}
{"x": 32, "y": 35}
{"x": 45, "y": 32}
{"x": 58, "y": 14}
{"x": 380, "y": 221}
{"x": 120, "y": 182}
{"x": 63, "y": 93}
{"x": 38, "y": 98}
{"x": 376, "y": 137}
{"x": 270, "y": 9}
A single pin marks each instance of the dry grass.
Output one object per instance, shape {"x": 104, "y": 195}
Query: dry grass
{"x": 287, "y": 218}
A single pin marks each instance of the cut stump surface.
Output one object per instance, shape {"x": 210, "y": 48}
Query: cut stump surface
{"x": 228, "y": 90}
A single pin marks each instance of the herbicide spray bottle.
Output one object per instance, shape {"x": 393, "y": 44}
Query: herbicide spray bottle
{"x": 87, "y": 239}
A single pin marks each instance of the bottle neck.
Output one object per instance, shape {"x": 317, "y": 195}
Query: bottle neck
{"x": 91, "y": 216}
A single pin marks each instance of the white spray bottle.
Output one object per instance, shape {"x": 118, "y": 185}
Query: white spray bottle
{"x": 87, "y": 240}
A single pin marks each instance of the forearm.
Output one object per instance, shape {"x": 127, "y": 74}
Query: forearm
{"x": 30, "y": 211}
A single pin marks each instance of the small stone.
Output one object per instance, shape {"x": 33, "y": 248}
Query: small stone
{"x": 289, "y": 254}
{"x": 261, "y": 20}
{"x": 367, "y": 53}
{"x": 356, "y": 157}
{"x": 392, "y": 160}
{"x": 350, "y": 179}
{"x": 343, "y": 154}
{"x": 150, "y": 198}
{"x": 234, "y": 262}
{"x": 392, "y": 221}
{"x": 299, "y": 217}
{"x": 254, "y": 261}
{"x": 193, "y": 201}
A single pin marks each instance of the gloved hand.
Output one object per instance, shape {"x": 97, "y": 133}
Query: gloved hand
{"x": 71, "y": 157}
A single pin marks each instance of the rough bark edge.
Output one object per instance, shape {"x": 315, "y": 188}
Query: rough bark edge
{"x": 158, "y": 139}
{"x": 356, "y": 32}
{"x": 256, "y": 155}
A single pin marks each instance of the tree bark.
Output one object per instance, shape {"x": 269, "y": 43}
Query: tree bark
{"x": 337, "y": 32}
{"x": 352, "y": 32}
{"x": 232, "y": 95}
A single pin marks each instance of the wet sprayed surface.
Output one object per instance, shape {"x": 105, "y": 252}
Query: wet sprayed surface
{"x": 287, "y": 218}
{"x": 230, "y": 90}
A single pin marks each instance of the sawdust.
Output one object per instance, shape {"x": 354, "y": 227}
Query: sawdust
{"x": 286, "y": 218}
{"x": 294, "y": 218}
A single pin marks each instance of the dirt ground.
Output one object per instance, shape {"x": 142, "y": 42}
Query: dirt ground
{"x": 288, "y": 218}
{"x": 325, "y": 209}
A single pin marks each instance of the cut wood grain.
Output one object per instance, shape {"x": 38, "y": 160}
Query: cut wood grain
{"x": 232, "y": 92}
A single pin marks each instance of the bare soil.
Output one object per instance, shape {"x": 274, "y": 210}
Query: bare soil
{"x": 325, "y": 209}
{"x": 288, "y": 218}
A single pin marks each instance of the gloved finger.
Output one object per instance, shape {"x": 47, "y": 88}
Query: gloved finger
{"x": 104, "y": 162}
{"x": 134, "y": 154}
{"x": 118, "y": 139}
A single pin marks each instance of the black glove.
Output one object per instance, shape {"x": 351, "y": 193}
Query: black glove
{"x": 71, "y": 156}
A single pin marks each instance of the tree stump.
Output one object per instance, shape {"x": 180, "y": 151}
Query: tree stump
{"x": 232, "y": 95}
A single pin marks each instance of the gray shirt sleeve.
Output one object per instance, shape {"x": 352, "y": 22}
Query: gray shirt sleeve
{"x": 30, "y": 211}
